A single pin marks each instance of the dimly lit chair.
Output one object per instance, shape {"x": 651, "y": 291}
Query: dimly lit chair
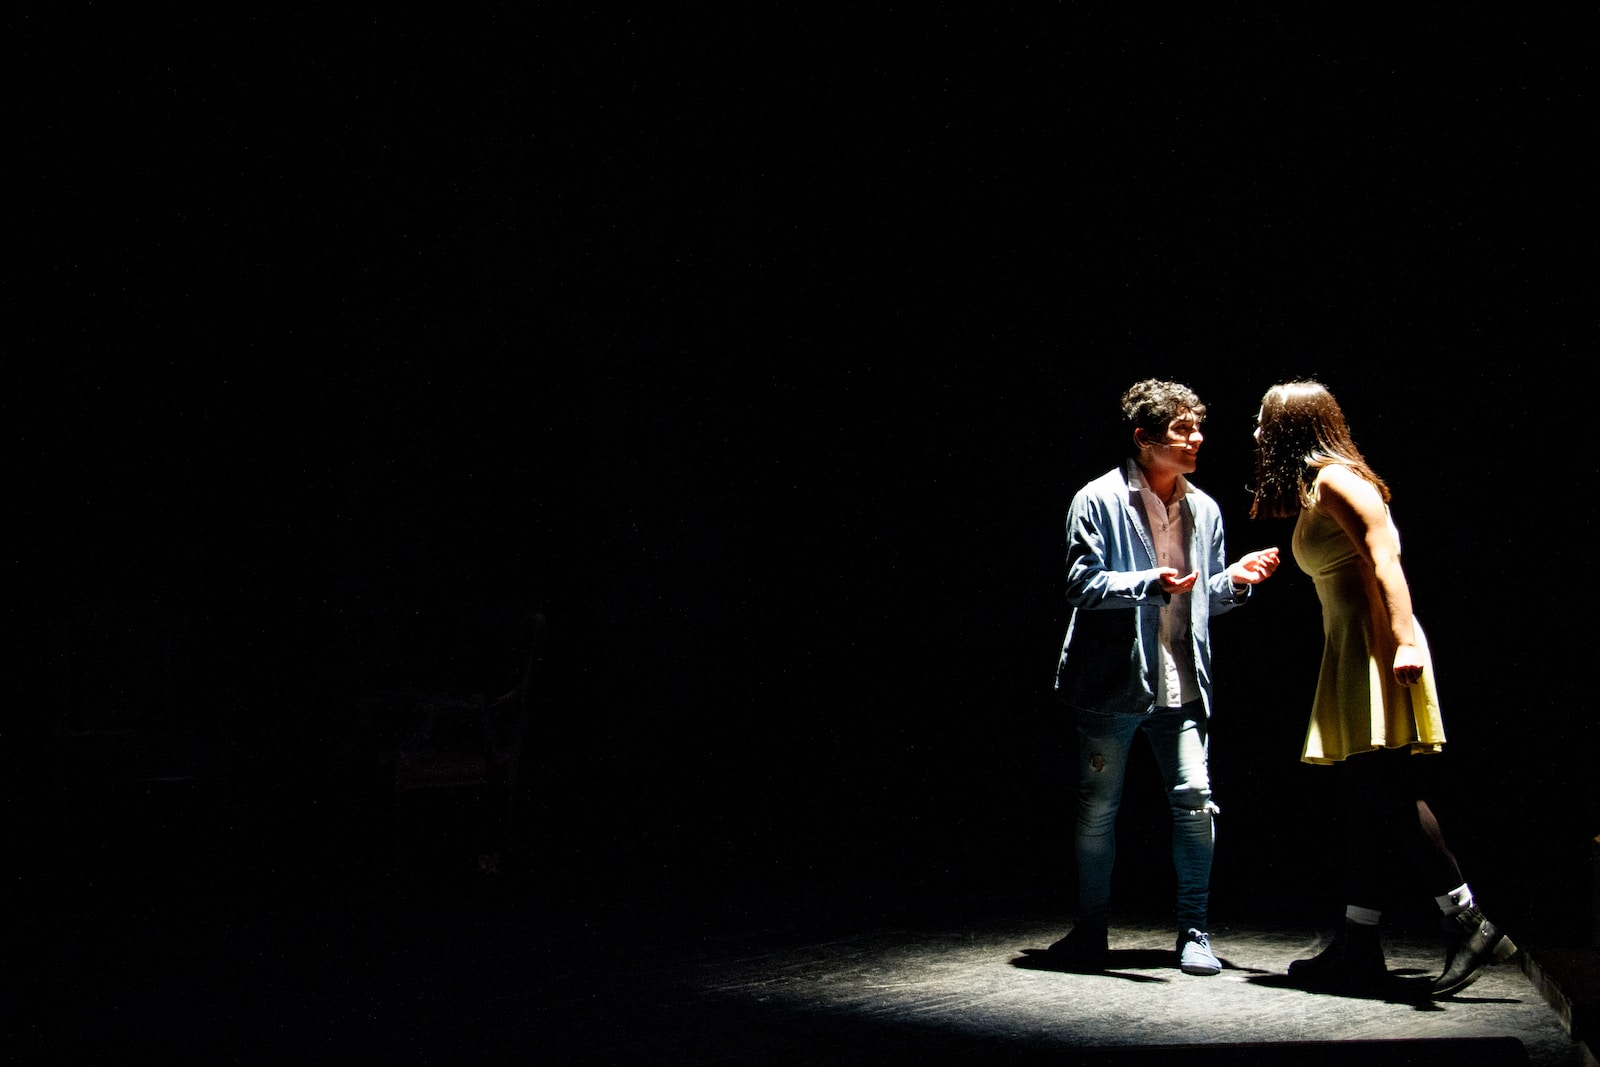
{"x": 472, "y": 741}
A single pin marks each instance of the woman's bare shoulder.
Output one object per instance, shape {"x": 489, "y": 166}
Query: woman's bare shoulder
{"x": 1337, "y": 483}
{"x": 1339, "y": 476}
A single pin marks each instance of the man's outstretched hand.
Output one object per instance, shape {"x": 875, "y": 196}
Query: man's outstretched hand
{"x": 1254, "y": 567}
{"x": 1172, "y": 583}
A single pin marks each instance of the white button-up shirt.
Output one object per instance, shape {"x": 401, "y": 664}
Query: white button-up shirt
{"x": 1175, "y": 681}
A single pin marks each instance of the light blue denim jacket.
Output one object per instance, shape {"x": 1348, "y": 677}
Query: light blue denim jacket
{"x": 1108, "y": 659}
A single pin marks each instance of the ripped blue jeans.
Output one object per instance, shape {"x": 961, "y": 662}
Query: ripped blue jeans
{"x": 1179, "y": 739}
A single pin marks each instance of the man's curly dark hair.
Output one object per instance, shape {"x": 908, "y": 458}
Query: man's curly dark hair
{"x": 1153, "y": 403}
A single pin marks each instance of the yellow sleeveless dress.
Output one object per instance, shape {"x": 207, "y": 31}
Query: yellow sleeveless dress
{"x": 1359, "y": 706}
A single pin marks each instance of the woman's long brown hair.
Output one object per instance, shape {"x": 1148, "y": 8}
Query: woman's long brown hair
{"x": 1302, "y": 431}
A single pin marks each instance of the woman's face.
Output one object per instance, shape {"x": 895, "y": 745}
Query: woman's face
{"x": 1263, "y": 416}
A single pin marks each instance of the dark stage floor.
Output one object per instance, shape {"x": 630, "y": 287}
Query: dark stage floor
{"x": 494, "y": 970}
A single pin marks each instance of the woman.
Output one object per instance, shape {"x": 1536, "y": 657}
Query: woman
{"x": 1376, "y": 710}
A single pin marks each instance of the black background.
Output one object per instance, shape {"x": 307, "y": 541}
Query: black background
{"x": 764, "y": 350}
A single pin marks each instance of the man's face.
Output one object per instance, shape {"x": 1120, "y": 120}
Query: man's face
{"x": 1177, "y": 450}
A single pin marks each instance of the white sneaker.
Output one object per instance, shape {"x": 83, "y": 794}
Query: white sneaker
{"x": 1194, "y": 953}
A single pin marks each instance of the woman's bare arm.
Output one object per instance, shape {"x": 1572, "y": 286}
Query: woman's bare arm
{"x": 1357, "y": 507}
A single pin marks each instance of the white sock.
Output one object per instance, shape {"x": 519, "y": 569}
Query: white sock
{"x": 1457, "y": 900}
{"x": 1361, "y": 916}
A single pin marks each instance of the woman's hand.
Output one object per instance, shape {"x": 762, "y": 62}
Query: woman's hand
{"x": 1407, "y": 665}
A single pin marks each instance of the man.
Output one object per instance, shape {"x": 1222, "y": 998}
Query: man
{"x": 1145, "y": 573}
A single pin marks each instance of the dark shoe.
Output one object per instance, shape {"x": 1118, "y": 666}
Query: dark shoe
{"x": 1472, "y": 942}
{"x": 1084, "y": 950}
{"x": 1353, "y": 962}
{"x": 1195, "y": 955}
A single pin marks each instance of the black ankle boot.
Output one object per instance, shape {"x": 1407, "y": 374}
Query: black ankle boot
{"x": 1472, "y": 942}
{"x": 1085, "y": 949}
{"x": 1352, "y": 961}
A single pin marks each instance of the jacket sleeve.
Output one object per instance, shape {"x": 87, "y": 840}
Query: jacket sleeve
{"x": 1219, "y": 585}
{"x": 1093, "y": 526}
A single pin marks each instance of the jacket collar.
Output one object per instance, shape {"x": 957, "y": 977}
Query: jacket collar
{"x": 1136, "y": 482}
